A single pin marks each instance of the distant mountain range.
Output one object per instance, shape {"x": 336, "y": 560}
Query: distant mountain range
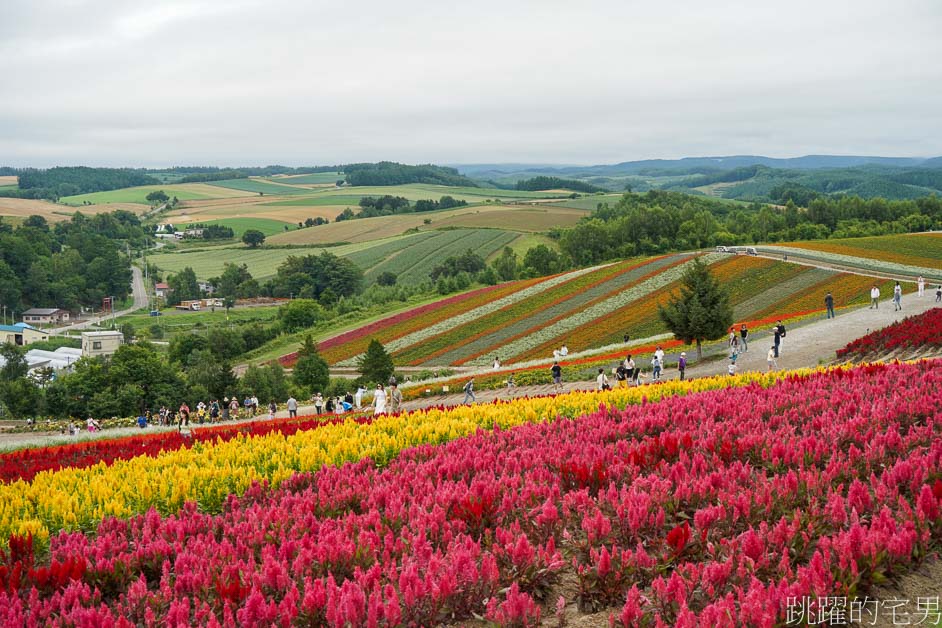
{"x": 689, "y": 165}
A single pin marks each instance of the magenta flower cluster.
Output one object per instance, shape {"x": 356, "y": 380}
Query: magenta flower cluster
{"x": 707, "y": 510}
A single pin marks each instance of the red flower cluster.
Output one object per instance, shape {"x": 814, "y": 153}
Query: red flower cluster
{"x": 711, "y": 509}
{"x": 923, "y": 330}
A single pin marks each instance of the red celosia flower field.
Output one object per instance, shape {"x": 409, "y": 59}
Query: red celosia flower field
{"x": 709, "y": 509}
{"x": 921, "y": 331}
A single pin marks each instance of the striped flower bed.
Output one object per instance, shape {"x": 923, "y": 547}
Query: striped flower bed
{"x": 443, "y": 325}
{"x": 442, "y": 348}
{"x": 917, "y": 249}
{"x": 865, "y": 263}
{"x": 559, "y": 329}
{"x": 570, "y": 307}
{"x": 740, "y": 274}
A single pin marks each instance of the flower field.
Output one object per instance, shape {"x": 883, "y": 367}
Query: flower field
{"x": 207, "y": 470}
{"x": 714, "y": 508}
{"x": 918, "y": 249}
{"x": 863, "y": 259}
{"x": 923, "y": 331}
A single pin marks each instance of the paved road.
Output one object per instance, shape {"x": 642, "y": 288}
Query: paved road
{"x": 139, "y": 293}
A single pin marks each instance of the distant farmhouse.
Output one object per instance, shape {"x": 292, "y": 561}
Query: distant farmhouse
{"x": 45, "y": 316}
{"x": 161, "y": 290}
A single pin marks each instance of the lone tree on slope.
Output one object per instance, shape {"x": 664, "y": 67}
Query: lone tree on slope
{"x": 701, "y": 311}
{"x": 376, "y": 366}
{"x": 253, "y": 237}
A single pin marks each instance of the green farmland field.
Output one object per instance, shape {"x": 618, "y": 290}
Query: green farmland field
{"x": 241, "y": 225}
{"x": 316, "y": 178}
{"x": 133, "y": 195}
{"x": 259, "y": 185}
{"x": 410, "y": 257}
{"x": 413, "y": 192}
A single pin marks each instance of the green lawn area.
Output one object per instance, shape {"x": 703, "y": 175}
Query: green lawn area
{"x": 132, "y": 195}
{"x": 241, "y": 225}
{"x": 259, "y": 185}
{"x": 588, "y": 202}
{"x": 320, "y": 200}
{"x": 8, "y": 188}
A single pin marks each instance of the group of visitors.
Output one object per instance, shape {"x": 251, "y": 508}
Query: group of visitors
{"x": 387, "y": 402}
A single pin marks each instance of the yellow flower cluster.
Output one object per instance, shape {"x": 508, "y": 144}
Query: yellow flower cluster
{"x": 73, "y": 499}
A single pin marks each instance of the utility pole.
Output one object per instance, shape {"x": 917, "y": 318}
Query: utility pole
{"x": 112, "y": 313}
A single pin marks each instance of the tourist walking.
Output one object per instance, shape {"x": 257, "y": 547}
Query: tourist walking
{"x": 626, "y": 338}
{"x": 358, "y": 397}
{"x": 938, "y": 293}
{"x": 743, "y": 333}
{"x": 874, "y": 298}
{"x": 292, "y": 407}
{"x": 921, "y": 284}
{"x": 829, "y": 304}
{"x": 659, "y": 354}
{"x": 656, "y": 369}
{"x": 771, "y": 358}
{"x": 781, "y": 335}
{"x": 379, "y": 400}
{"x": 557, "y": 372}
{"x": 234, "y": 408}
{"x": 621, "y": 375}
{"x": 731, "y": 369}
{"x": 319, "y": 403}
{"x": 214, "y": 411}
{"x": 897, "y": 297}
{"x": 682, "y": 365}
{"x": 272, "y": 409}
{"x": 395, "y": 397}
{"x": 734, "y": 347}
{"x": 469, "y": 391}
{"x": 629, "y": 365}
{"x": 601, "y": 382}
{"x": 496, "y": 363}
{"x": 776, "y": 339}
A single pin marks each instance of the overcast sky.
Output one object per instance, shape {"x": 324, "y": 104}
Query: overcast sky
{"x": 230, "y": 82}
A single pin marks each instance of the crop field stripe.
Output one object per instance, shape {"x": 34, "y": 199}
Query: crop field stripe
{"x": 769, "y": 298}
{"x": 432, "y": 347}
{"x": 421, "y": 318}
{"x": 256, "y": 185}
{"x": 543, "y": 349}
{"x": 912, "y": 250}
{"x": 572, "y": 305}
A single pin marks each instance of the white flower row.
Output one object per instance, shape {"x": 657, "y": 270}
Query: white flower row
{"x": 483, "y": 310}
{"x": 854, "y": 261}
{"x": 604, "y": 307}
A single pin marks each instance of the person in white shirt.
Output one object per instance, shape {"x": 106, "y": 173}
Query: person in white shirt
{"x": 379, "y": 400}
{"x": 921, "y": 284}
{"x": 564, "y": 351}
{"x": 602, "y": 380}
{"x": 358, "y": 397}
{"x": 874, "y": 297}
{"x": 659, "y": 354}
{"x": 731, "y": 369}
{"x": 773, "y": 363}
{"x": 292, "y": 407}
{"x": 496, "y": 363}
{"x": 897, "y": 297}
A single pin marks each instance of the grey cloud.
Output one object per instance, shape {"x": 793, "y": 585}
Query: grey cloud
{"x": 151, "y": 83}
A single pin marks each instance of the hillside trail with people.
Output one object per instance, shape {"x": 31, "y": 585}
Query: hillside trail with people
{"x": 807, "y": 345}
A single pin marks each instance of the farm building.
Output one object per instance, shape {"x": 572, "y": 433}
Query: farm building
{"x": 206, "y": 287}
{"x": 21, "y": 334}
{"x": 161, "y": 290}
{"x": 45, "y": 316}
{"x": 101, "y": 343}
